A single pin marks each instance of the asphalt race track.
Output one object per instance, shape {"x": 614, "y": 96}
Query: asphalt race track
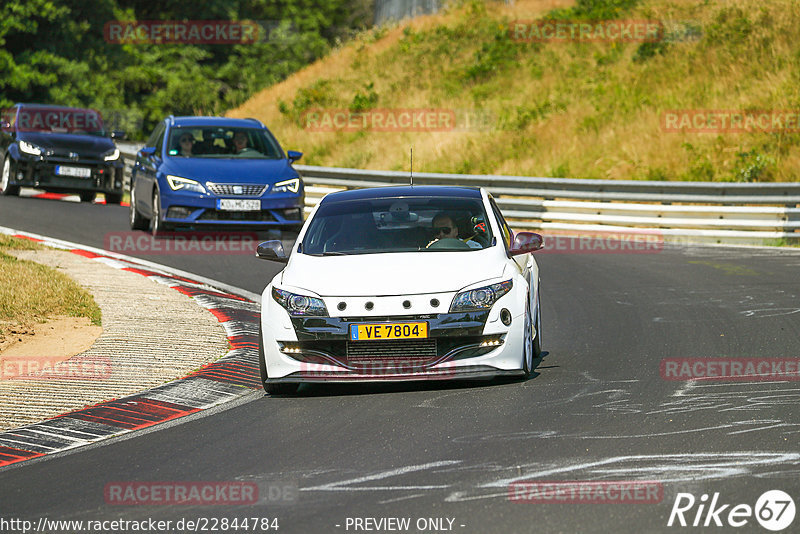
{"x": 597, "y": 409}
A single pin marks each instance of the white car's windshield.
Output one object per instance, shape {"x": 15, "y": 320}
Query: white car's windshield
{"x": 405, "y": 224}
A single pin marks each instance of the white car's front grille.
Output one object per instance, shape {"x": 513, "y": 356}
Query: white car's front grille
{"x": 245, "y": 190}
{"x": 391, "y": 351}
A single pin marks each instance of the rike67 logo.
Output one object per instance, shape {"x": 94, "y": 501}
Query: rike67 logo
{"x": 774, "y": 510}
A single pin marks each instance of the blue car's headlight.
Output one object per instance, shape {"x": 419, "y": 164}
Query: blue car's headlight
{"x": 292, "y": 186}
{"x": 28, "y": 148}
{"x": 300, "y": 305}
{"x": 481, "y": 298}
{"x": 178, "y": 183}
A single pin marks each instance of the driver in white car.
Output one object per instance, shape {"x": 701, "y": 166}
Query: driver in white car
{"x": 445, "y": 228}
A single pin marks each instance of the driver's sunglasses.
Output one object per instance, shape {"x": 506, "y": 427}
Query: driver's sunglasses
{"x": 442, "y": 230}
{"x": 187, "y": 140}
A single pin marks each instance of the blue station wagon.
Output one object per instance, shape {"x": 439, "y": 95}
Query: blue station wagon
{"x": 205, "y": 172}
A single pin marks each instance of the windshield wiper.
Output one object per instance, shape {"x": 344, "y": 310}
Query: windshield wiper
{"x": 330, "y": 253}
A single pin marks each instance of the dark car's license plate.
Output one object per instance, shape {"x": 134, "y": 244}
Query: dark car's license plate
{"x": 77, "y": 172}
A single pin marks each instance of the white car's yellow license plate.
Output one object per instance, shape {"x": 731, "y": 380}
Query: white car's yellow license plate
{"x": 383, "y": 331}
{"x": 237, "y": 204}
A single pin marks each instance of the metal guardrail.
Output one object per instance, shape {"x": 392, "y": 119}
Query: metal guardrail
{"x": 584, "y": 189}
{"x": 753, "y": 213}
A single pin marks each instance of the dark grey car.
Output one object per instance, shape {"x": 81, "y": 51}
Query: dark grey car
{"x": 61, "y": 150}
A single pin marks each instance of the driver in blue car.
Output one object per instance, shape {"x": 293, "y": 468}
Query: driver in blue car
{"x": 445, "y": 228}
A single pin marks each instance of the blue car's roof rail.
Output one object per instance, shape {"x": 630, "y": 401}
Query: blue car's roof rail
{"x": 171, "y": 120}
{"x": 256, "y": 121}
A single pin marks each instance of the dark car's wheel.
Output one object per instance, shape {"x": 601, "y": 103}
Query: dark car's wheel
{"x": 527, "y": 343}
{"x": 113, "y": 198}
{"x": 537, "y": 342}
{"x": 272, "y": 389}
{"x": 135, "y": 218}
{"x": 87, "y": 196}
{"x": 5, "y": 179}
{"x": 157, "y": 226}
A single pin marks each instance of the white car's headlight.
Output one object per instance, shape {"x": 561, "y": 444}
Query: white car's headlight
{"x": 292, "y": 186}
{"x": 30, "y": 149}
{"x": 112, "y": 155}
{"x": 481, "y": 298}
{"x": 178, "y": 183}
{"x": 300, "y": 305}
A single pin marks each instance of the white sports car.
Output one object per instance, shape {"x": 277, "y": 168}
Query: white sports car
{"x": 401, "y": 283}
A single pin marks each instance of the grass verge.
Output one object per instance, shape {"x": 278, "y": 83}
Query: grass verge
{"x": 562, "y": 109}
{"x": 31, "y": 293}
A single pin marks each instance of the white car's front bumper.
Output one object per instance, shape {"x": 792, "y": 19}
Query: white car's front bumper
{"x": 464, "y": 345}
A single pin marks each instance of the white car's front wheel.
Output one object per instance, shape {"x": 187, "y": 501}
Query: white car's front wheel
{"x": 537, "y": 342}
{"x": 527, "y": 342}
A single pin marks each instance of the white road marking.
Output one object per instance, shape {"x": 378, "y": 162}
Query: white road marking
{"x": 346, "y": 485}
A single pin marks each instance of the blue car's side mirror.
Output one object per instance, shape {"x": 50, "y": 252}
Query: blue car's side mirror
{"x": 148, "y": 151}
{"x": 294, "y": 155}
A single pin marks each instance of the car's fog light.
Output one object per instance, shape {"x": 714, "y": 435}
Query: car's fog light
{"x": 492, "y": 342}
{"x": 290, "y": 349}
{"x": 505, "y": 316}
{"x": 293, "y": 214}
{"x": 177, "y": 212}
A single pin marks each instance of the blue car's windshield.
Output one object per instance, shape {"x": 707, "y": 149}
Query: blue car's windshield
{"x": 405, "y": 224}
{"x": 222, "y": 142}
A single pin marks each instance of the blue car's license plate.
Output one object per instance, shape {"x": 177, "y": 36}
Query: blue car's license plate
{"x": 238, "y": 204}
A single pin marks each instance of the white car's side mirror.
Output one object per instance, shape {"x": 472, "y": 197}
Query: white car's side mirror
{"x": 525, "y": 242}
{"x": 271, "y": 250}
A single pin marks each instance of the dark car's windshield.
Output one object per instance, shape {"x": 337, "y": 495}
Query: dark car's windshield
{"x": 44, "y": 119}
{"x": 222, "y": 142}
{"x": 398, "y": 224}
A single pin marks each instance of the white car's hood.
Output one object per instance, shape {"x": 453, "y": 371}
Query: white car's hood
{"x": 407, "y": 273}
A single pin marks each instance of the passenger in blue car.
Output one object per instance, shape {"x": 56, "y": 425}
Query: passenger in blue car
{"x": 240, "y": 142}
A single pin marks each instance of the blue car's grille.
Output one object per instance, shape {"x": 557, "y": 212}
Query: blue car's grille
{"x": 245, "y": 190}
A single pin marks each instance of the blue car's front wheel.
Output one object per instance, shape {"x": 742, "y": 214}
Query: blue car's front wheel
{"x": 157, "y": 225}
{"x": 138, "y": 222}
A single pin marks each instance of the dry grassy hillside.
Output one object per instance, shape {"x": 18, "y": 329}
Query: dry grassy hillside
{"x": 579, "y": 109}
